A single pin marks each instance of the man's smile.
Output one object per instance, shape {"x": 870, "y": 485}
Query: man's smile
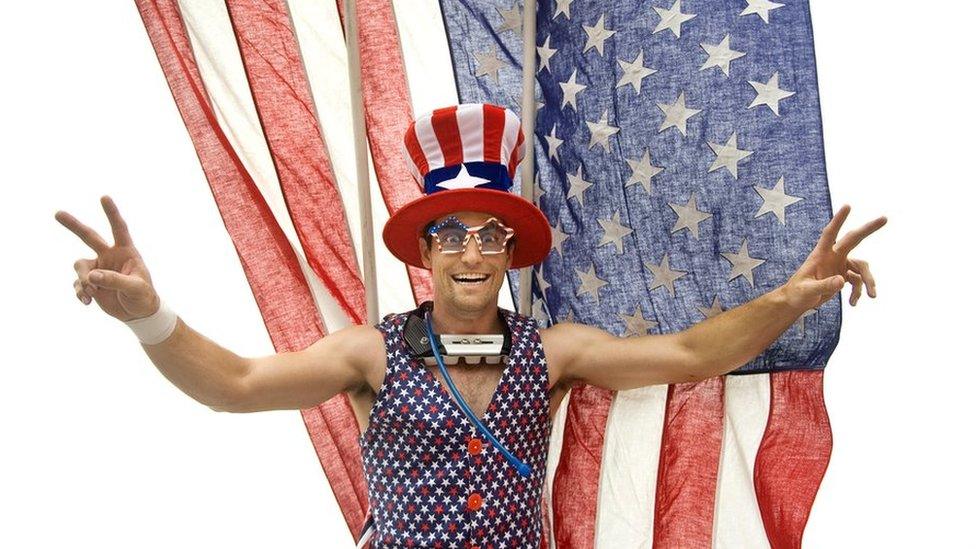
{"x": 470, "y": 279}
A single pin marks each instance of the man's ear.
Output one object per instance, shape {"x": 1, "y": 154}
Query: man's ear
{"x": 424, "y": 252}
{"x": 511, "y": 255}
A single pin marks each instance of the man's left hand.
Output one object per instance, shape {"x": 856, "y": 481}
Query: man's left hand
{"x": 828, "y": 266}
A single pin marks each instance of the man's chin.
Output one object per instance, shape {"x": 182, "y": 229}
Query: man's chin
{"x": 473, "y": 303}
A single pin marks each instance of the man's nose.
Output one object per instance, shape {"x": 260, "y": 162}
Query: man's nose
{"x": 472, "y": 252}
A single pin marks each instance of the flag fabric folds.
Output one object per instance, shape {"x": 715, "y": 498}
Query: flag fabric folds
{"x": 679, "y": 159}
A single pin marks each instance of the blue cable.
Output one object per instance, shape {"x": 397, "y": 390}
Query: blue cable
{"x": 523, "y": 468}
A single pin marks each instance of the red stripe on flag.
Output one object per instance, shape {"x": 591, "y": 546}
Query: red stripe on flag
{"x": 687, "y": 474}
{"x": 494, "y": 130}
{"x": 279, "y": 85}
{"x": 268, "y": 260}
{"x": 445, "y": 126}
{"x": 793, "y": 455}
{"x": 577, "y": 479}
{"x": 389, "y": 111}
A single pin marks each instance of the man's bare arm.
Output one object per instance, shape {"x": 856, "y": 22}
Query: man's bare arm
{"x": 710, "y": 348}
{"x": 225, "y": 381}
{"x": 722, "y": 343}
{"x": 118, "y": 281}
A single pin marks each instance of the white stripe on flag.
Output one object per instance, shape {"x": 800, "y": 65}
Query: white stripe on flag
{"x": 628, "y": 474}
{"x": 219, "y": 61}
{"x": 737, "y": 519}
{"x": 320, "y": 38}
{"x": 426, "y": 55}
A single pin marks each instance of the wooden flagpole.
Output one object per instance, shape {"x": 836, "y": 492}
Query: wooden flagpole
{"x": 528, "y": 129}
{"x": 362, "y": 165}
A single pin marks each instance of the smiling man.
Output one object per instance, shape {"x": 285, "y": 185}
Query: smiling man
{"x": 434, "y": 475}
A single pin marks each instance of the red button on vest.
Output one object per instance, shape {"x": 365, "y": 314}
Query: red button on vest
{"x": 474, "y": 501}
{"x": 474, "y": 446}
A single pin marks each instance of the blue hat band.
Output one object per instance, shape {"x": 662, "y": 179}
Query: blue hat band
{"x": 494, "y": 176}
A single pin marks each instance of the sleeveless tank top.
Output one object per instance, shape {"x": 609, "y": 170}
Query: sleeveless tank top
{"x": 433, "y": 480}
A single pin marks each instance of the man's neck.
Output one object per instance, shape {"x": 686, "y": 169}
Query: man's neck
{"x": 452, "y": 321}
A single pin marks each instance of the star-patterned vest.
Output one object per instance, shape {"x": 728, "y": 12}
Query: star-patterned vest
{"x": 432, "y": 477}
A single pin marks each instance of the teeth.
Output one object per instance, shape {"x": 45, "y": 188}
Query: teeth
{"x": 470, "y": 278}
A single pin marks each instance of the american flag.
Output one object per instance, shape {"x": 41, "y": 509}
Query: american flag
{"x": 679, "y": 160}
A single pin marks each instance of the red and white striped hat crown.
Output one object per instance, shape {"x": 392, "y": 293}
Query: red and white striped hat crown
{"x": 485, "y": 139}
{"x": 465, "y": 157}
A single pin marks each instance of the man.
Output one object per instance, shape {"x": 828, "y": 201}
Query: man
{"x": 433, "y": 477}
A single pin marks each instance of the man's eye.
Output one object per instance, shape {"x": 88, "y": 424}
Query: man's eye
{"x": 452, "y": 239}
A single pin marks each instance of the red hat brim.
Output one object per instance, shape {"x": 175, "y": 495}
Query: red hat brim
{"x": 532, "y": 231}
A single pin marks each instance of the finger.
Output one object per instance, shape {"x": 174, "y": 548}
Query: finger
{"x": 830, "y": 285}
{"x": 855, "y": 237}
{"x": 856, "y": 284}
{"x": 861, "y": 267}
{"x": 81, "y": 294}
{"x": 129, "y": 285}
{"x": 84, "y": 232}
{"x": 120, "y": 231}
{"x": 82, "y": 268}
{"x": 830, "y": 232}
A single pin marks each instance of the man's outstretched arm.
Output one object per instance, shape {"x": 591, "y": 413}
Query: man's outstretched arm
{"x": 118, "y": 281}
{"x": 719, "y": 344}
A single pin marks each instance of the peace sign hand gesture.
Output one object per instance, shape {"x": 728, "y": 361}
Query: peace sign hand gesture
{"x": 116, "y": 278}
{"x": 828, "y": 266}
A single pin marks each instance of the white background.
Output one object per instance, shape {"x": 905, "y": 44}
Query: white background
{"x": 99, "y": 449}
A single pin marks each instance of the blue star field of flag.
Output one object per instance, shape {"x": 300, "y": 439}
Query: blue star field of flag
{"x": 679, "y": 157}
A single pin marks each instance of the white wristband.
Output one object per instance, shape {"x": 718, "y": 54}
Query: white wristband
{"x": 156, "y": 327}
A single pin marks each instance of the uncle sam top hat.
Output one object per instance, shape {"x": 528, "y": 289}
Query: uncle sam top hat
{"x": 465, "y": 157}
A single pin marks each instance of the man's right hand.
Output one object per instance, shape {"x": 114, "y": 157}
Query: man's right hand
{"x": 116, "y": 278}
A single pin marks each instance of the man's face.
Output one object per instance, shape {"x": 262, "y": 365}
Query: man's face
{"x": 467, "y": 281}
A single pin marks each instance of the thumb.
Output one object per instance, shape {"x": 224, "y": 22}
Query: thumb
{"x": 831, "y": 285}
{"x": 111, "y": 280}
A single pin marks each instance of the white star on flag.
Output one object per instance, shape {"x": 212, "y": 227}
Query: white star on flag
{"x": 689, "y": 216}
{"x": 769, "y": 94}
{"x": 760, "y": 8}
{"x": 614, "y": 231}
{"x": 642, "y": 171}
{"x": 511, "y": 19}
{"x": 676, "y": 114}
{"x": 558, "y": 237}
{"x": 775, "y": 200}
{"x": 577, "y": 185}
{"x": 634, "y": 72}
{"x": 742, "y": 264}
{"x": 553, "y": 144}
{"x": 597, "y": 35}
{"x": 671, "y": 19}
{"x": 664, "y": 275}
{"x": 545, "y": 54}
{"x": 570, "y": 89}
{"x": 720, "y": 55}
{"x": 728, "y": 156}
{"x": 600, "y": 132}
{"x": 562, "y": 6}
{"x": 590, "y": 283}
{"x": 636, "y": 324}
{"x": 488, "y": 64}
